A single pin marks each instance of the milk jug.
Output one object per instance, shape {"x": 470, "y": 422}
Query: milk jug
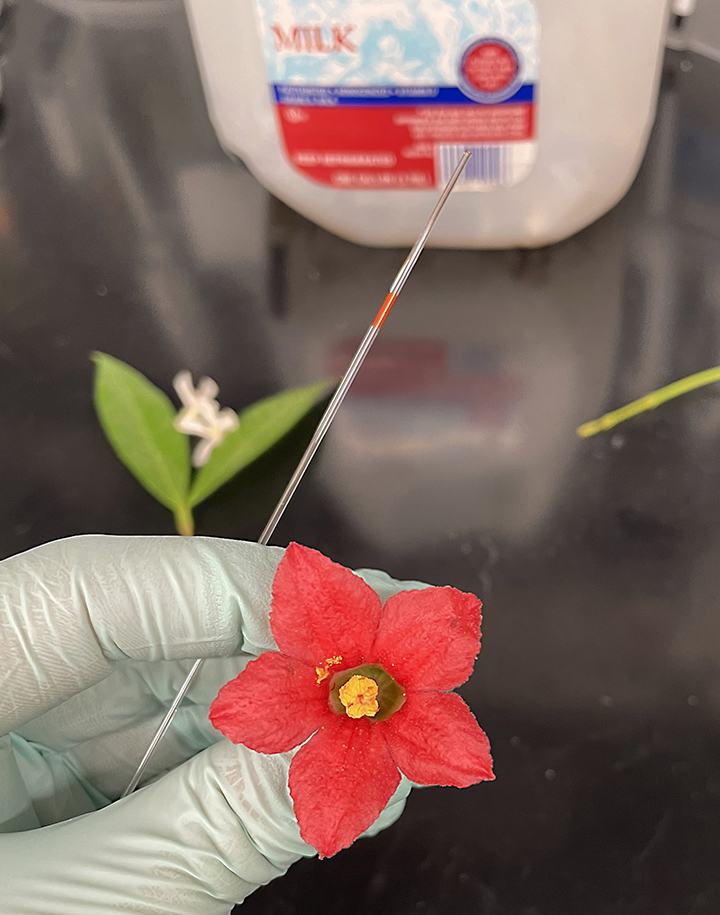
{"x": 355, "y": 112}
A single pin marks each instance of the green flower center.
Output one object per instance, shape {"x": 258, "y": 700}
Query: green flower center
{"x": 365, "y": 691}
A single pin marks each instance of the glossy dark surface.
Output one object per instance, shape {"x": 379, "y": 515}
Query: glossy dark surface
{"x": 124, "y": 228}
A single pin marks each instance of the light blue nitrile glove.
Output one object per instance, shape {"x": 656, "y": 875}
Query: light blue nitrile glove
{"x": 96, "y": 635}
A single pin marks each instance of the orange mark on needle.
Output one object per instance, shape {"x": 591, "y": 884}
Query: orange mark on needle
{"x": 384, "y": 309}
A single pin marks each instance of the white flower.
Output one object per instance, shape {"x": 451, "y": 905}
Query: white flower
{"x": 201, "y": 415}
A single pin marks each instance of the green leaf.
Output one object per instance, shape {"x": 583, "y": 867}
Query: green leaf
{"x": 650, "y": 401}
{"x": 138, "y": 421}
{"x": 261, "y": 426}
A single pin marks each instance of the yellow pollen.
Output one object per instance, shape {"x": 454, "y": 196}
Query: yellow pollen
{"x": 323, "y": 672}
{"x": 359, "y": 696}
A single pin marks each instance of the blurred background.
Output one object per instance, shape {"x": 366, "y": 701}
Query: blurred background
{"x": 124, "y": 227}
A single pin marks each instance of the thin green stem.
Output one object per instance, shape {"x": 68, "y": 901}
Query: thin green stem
{"x": 650, "y": 401}
{"x": 184, "y": 523}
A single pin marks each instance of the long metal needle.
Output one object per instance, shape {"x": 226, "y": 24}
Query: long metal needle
{"x": 323, "y": 426}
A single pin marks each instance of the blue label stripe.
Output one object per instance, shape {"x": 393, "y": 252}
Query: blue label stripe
{"x": 326, "y": 96}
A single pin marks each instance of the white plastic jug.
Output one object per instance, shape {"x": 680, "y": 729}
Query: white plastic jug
{"x": 354, "y": 112}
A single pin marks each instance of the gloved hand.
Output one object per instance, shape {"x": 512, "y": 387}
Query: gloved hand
{"x": 96, "y": 635}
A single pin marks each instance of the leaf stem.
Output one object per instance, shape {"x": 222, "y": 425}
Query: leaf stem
{"x": 184, "y": 523}
{"x": 650, "y": 401}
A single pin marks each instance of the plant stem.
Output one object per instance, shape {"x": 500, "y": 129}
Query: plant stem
{"x": 650, "y": 401}
{"x": 184, "y": 522}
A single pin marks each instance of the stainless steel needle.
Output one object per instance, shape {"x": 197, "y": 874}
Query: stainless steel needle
{"x": 320, "y": 432}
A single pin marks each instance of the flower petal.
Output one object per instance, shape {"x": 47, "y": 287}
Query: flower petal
{"x": 207, "y": 389}
{"x": 202, "y": 451}
{"x": 321, "y": 610}
{"x": 272, "y": 706}
{"x": 209, "y": 410}
{"x": 340, "y": 782}
{"x": 435, "y": 740}
{"x": 429, "y": 639}
{"x": 184, "y": 389}
{"x": 189, "y": 422}
{"x": 227, "y": 420}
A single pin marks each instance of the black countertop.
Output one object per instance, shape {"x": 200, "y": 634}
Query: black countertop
{"x": 124, "y": 228}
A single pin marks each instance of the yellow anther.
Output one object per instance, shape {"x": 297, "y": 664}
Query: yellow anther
{"x": 323, "y": 672}
{"x": 359, "y": 696}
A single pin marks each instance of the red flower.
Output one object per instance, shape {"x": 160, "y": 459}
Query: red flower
{"x": 367, "y": 684}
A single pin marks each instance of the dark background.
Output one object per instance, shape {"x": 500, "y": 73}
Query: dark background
{"x": 125, "y": 228}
